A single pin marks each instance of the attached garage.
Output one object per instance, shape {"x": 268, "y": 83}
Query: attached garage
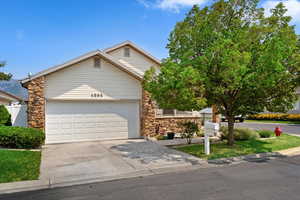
{"x": 96, "y": 96}
{"x": 71, "y": 121}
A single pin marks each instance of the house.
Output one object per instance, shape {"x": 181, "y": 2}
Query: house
{"x": 8, "y": 99}
{"x": 99, "y": 96}
{"x": 296, "y": 108}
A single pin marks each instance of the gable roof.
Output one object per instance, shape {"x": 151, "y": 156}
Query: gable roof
{"x": 15, "y": 88}
{"x": 9, "y": 95}
{"x": 97, "y": 52}
{"x": 135, "y": 47}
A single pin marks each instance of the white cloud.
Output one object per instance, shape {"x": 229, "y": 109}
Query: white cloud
{"x": 293, "y": 7}
{"x": 176, "y": 5}
{"x": 170, "y": 5}
{"x": 144, "y": 3}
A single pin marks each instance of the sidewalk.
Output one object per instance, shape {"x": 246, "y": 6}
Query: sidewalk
{"x": 182, "y": 141}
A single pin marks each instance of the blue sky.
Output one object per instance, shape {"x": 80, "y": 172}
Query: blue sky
{"x": 38, "y": 34}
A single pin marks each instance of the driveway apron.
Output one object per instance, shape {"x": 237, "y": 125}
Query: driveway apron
{"x": 87, "y": 160}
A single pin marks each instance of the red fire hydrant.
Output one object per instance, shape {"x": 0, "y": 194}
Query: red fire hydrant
{"x": 277, "y": 131}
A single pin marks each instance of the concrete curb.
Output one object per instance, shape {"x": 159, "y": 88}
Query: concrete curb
{"x": 293, "y": 134}
{"x": 23, "y": 186}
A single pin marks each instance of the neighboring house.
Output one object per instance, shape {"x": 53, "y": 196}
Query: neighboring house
{"x": 8, "y": 99}
{"x": 296, "y": 108}
{"x": 99, "y": 96}
{"x": 14, "y": 87}
{"x": 15, "y": 106}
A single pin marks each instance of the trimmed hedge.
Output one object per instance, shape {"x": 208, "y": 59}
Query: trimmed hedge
{"x": 275, "y": 116}
{"x": 265, "y": 133}
{"x": 5, "y": 117}
{"x": 20, "y": 137}
{"x": 239, "y": 134}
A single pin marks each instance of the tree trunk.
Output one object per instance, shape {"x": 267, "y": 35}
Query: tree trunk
{"x": 215, "y": 115}
{"x": 230, "y": 130}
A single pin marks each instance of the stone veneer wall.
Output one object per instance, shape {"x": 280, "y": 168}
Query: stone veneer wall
{"x": 152, "y": 125}
{"x": 36, "y": 103}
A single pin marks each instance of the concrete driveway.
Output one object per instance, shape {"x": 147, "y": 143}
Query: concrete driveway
{"x": 70, "y": 162}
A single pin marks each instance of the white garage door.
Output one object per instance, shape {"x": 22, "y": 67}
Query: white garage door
{"x": 69, "y": 121}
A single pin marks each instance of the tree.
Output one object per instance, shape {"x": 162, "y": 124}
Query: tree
{"x": 4, "y": 76}
{"x": 189, "y": 129}
{"x": 232, "y": 56}
{"x": 5, "y": 117}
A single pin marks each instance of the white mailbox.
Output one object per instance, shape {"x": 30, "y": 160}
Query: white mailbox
{"x": 211, "y": 129}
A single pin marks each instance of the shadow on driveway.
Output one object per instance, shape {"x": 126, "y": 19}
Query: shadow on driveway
{"x": 149, "y": 153}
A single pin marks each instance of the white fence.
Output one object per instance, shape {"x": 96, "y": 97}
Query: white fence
{"x": 18, "y": 115}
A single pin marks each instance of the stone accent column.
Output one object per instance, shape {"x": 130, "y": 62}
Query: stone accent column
{"x": 152, "y": 125}
{"x": 36, "y": 103}
{"x": 148, "y": 115}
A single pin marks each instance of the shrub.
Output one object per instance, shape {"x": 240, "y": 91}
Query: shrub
{"x": 160, "y": 137}
{"x": 200, "y": 133}
{"x": 265, "y": 133}
{"x": 5, "y": 117}
{"x": 239, "y": 133}
{"x": 275, "y": 116}
{"x": 189, "y": 129}
{"x": 20, "y": 137}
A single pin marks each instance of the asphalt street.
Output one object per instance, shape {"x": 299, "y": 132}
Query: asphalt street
{"x": 286, "y": 128}
{"x": 276, "y": 179}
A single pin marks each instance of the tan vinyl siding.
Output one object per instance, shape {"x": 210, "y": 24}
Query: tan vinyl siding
{"x": 82, "y": 80}
{"x": 135, "y": 59}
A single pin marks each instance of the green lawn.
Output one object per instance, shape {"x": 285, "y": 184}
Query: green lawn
{"x": 19, "y": 165}
{"x": 221, "y": 150}
{"x": 273, "y": 121}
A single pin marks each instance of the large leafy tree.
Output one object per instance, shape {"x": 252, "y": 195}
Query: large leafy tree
{"x": 232, "y": 56}
{"x": 4, "y": 76}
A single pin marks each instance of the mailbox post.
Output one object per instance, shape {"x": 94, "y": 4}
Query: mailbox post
{"x": 206, "y": 144}
{"x": 210, "y": 129}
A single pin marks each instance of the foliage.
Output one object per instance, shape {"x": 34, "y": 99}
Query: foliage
{"x": 4, "y": 76}
{"x": 232, "y": 56}
{"x": 5, "y": 117}
{"x": 19, "y": 165}
{"x": 239, "y": 134}
{"x": 273, "y": 121}
{"x": 200, "y": 133}
{"x": 275, "y": 116}
{"x": 20, "y": 137}
{"x": 265, "y": 133}
{"x": 160, "y": 137}
{"x": 189, "y": 128}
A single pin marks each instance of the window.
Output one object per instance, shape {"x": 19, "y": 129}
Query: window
{"x": 126, "y": 52}
{"x": 168, "y": 112}
{"x": 175, "y": 113}
{"x": 97, "y": 62}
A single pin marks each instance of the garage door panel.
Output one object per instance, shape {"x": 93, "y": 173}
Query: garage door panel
{"x": 68, "y": 121}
